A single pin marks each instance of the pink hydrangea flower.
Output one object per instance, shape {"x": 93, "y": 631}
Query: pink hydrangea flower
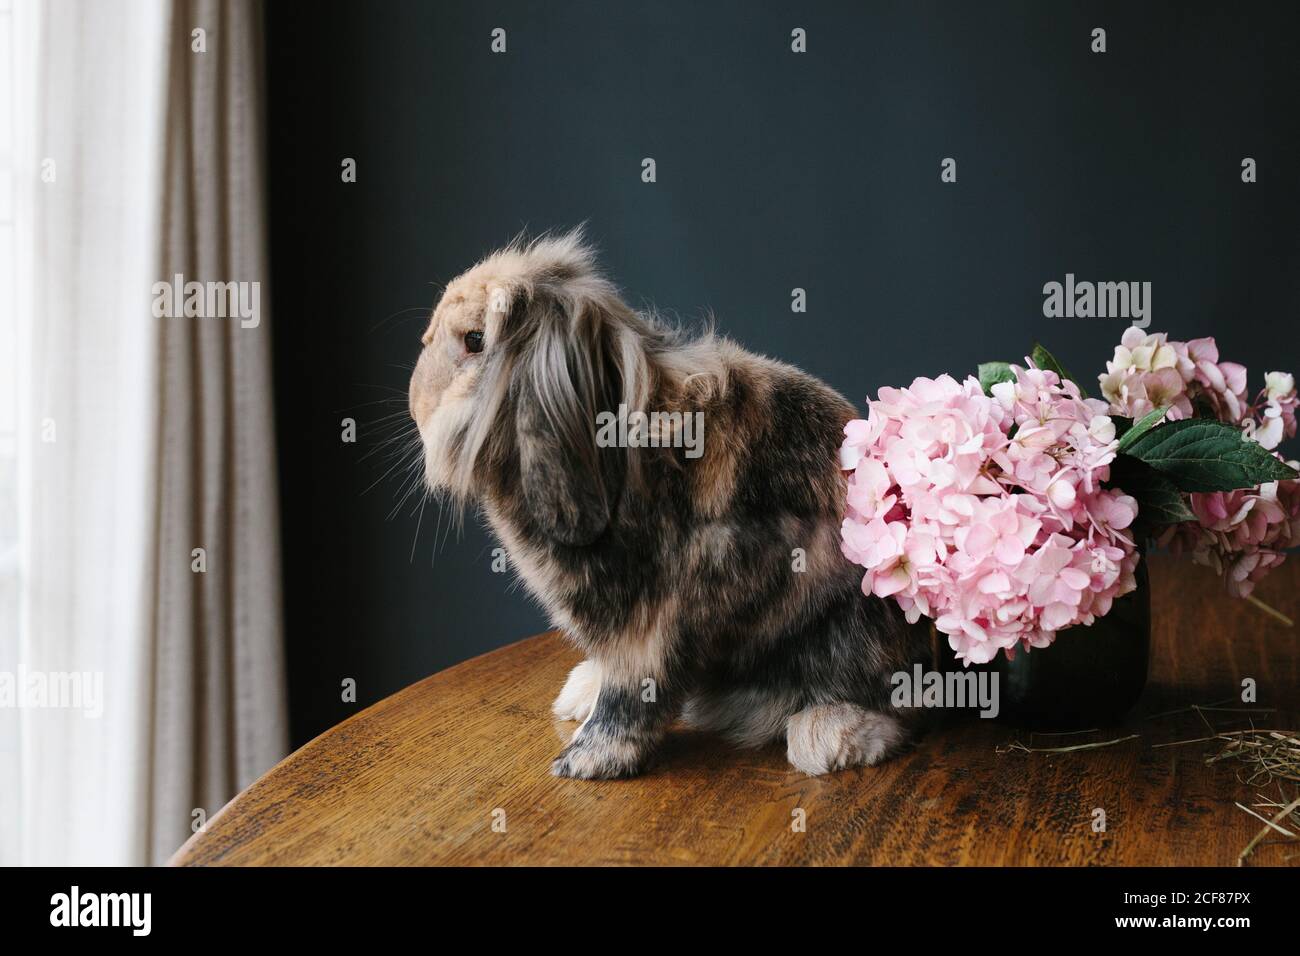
{"x": 1242, "y": 533}
{"x": 1273, "y": 415}
{"x": 1148, "y": 372}
{"x": 987, "y": 513}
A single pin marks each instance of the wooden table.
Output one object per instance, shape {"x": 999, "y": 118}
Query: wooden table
{"x": 454, "y": 770}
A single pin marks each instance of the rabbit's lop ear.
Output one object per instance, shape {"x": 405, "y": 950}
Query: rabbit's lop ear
{"x": 581, "y": 362}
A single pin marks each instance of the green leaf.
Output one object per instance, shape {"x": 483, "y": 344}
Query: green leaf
{"x": 1143, "y": 425}
{"x": 1046, "y": 360}
{"x": 1201, "y": 455}
{"x": 991, "y": 373}
{"x": 1160, "y": 503}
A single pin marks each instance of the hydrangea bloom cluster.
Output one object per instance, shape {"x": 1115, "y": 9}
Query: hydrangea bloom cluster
{"x": 1241, "y": 534}
{"x": 1149, "y": 372}
{"x": 987, "y": 513}
{"x": 1272, "y": 417}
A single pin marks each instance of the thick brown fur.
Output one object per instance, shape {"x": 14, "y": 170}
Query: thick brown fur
{"x": 711, "y": 587}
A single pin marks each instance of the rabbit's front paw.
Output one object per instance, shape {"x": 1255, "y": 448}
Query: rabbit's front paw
{"x": 598, "y": 756}
{"x": 829, "y": 737}
{"x": 579, "y": 693}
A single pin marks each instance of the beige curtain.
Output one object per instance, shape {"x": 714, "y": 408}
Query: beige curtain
{"x": 148, "y": 547}
{"x": 226, "y": 723}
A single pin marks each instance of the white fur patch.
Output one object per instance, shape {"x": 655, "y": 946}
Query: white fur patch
{"x": 828, "y": 737}
{"x": 579, "y": 694}
{"x": 436, "y": 432}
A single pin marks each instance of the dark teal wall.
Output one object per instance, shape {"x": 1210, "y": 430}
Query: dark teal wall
{"x": 775, "y": 170}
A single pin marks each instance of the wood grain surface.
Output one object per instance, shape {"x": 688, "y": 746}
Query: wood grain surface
{"x": 420, "y": 777}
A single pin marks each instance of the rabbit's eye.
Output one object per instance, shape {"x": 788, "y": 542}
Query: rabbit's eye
{"x": 474, "y": 341}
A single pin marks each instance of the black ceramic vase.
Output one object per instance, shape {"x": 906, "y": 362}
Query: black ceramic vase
{"x": 1089, "y": 676}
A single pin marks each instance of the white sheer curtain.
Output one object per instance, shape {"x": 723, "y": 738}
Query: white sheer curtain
{"x": 136, "y": 156}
